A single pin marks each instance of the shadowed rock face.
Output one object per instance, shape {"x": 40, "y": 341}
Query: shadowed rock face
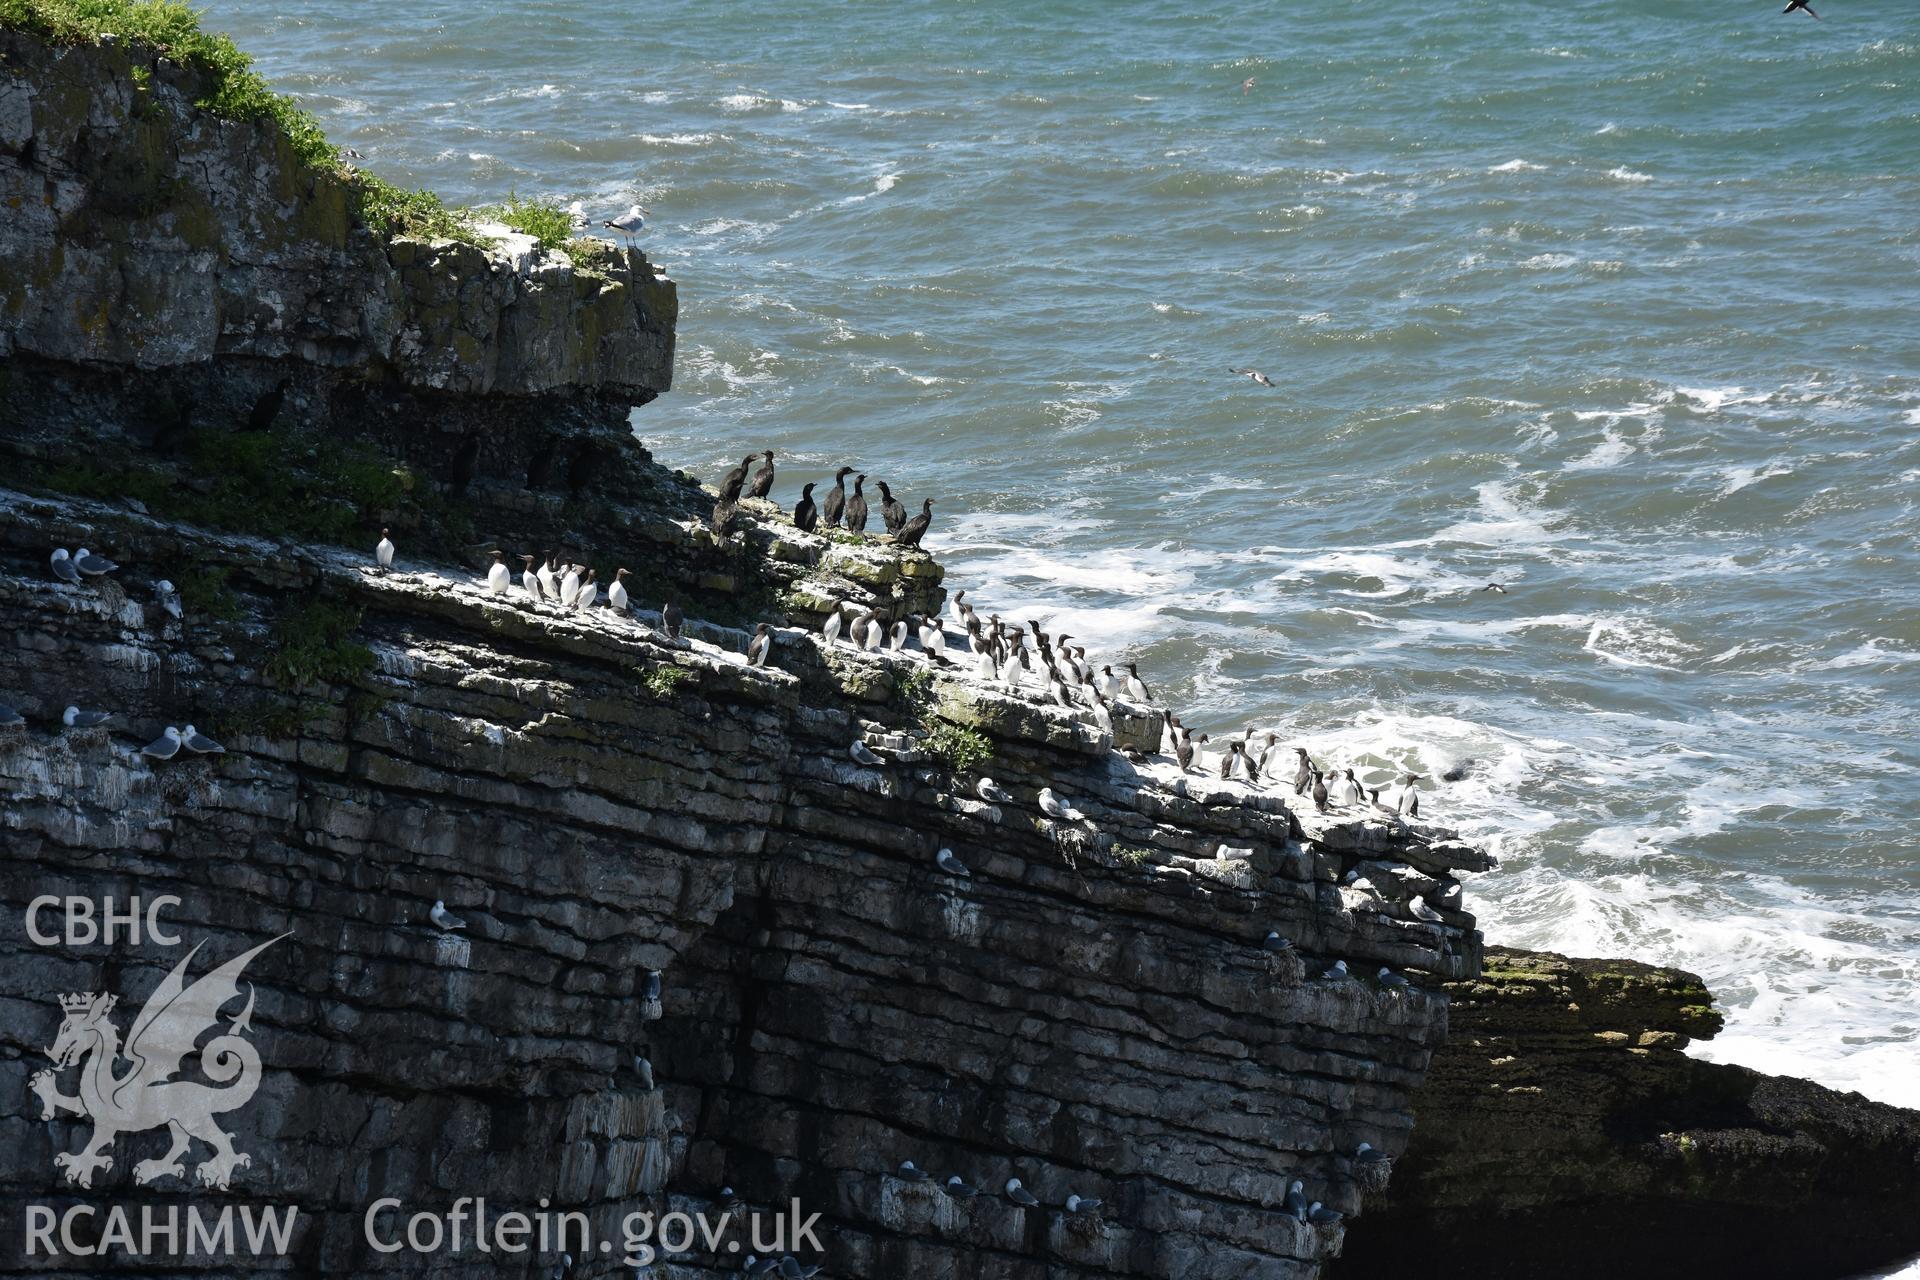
{"x": 1091, "y": 1011}
{"x": 1563, "y": 1131}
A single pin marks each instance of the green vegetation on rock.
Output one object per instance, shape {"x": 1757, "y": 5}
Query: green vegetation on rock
{"x": 314, "y": 644}
{"x": 661, "y": 681}
{"x": 958, "y": 748}
{"x": 544, "y": 220}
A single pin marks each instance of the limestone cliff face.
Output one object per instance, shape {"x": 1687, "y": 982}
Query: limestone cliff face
{"x": 1563, "y": 1121}
{"x": 1090, "y": 1010}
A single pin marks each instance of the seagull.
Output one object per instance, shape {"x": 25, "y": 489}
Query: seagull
{"x": 1246, "y": 86}
{"x": 651, "y": 991}
{"x": 1388, "y": 978}
{"x": 1255, "y": 374}
{"x": 1801, "y": 5}
{"x": 1321, "y": 1216}
{"x": 9, "y": 718}
{"x": 1274, "y": 942}
{"x": 75, "y": 718}
{"x": 760, "y": 646}
{"x": 577, "y": 215}
{"x": 169, "y": 596}
{"x": 992, "y": 792}
{"x": 643, "y": 1069}
{"x": 617, "y": 597}
{"x": 1422, "y": 911}
{"x": 92, "y": 565}
{"x": 672, "y": 619}
{"x": 1296, "y": 1201}
{"x": 1365, "y": 1153}
{"x": 62, "y": 564}
{"x": 1338, "y": 973}
{"x": 958, "y": 1188}
{"x": 498, "y": 579}
{"x": 199, "y": 743}
{"x": 1051, "y": 806}
{"x": 861, "y": 755}
{"x": 912, "y": 1173}
{"x": 164, "y": 747}
{"x": 950, "y": 864}
{"x": 383, "y": 551}
{"x": 445, "y": 918}
{"x": 1020, "y": 1195}
{"x": 1081, "y": 1204}
{"x": 629, "y": 223}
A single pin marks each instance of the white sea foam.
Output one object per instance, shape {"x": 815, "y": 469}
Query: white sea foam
{"x": 1738, "y": 478}
{"x": 1609, "y": 453}
{"x": 1518, "y": 166}
{"x": 1629, "y": 641}
{"x": 1505, "y": 520}
{"x": 1624, "y": 174}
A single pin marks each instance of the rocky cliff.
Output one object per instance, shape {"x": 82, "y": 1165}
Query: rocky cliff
{"x": 1563, "y": 1121}
{"x": 1090, "y": 1008}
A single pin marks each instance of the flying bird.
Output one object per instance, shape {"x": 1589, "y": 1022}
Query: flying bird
{"x": 1801, "y": 5}
{"x": 1246, "y": 86}
{"x": 1255, "y": 374}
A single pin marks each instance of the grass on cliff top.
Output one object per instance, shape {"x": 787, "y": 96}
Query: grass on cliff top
{"x": 236, "y": 92}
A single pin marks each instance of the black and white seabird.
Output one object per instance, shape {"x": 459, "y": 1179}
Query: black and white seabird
{"x": 498, "y": 578}
{"x": 857, "y": 507}
{"x": 75, "y": 718}
{"x": 830, "y": 629}
{"x": 589, "y": 592}
{"x": 444, "y": 918}
{"x": 1232, "y": 759}
{"x": 951, "y": 864}
{"x": 530, "y": 579}
{"x": 763, "y": 478}
{"x": 91, "y": 565}
{"x": 836, "y": 504}
{"x": 1801, "y": 5}
{"x": 672, "y": 619}
{"x": 164, "y": 747}
{"x": 1409, "y": 801}
{"x": 1255, "y": 374}
{"x": 1494, "y": 587}
{"x": 760, "y": 646}
{"x": 61, "y": 562}
{"x": 1020, "y": 1195}
{"x": 915, "y": 529}
{"x": 1186, "y": 748}
{"x": 617, "y": 597}
{"x": 869, "y": 632}
{"x": 199, "y": 743}
{"x": 891, "y": 510}
{"x": 805, "y": 514}
{"x": 383, "y": 550}
{"x": 933, "y": 639}
{"x": 1136, "y": 688}
{"x": 549, "y": 575}
{"x": 1319, "y": 791}
{"x": 1303, "y": 773}
{"x": 643, "y": 1069}
{"x": 569, "y": 586}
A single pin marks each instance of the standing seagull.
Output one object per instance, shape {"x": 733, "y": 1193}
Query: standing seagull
{"x": 629, "y": 223}
{"x": 836, "y": 504}
{"x": 760, "y": 646}
{"x": 383, "y": 551}
{"x": 1255, "y": 374}
{"x": 915, "y": 529}
{"x": 805, "y": 514}
{"x": 1801, "y": 5}
{"x": 763, "y": 478}
{"x": 498, "y": 579}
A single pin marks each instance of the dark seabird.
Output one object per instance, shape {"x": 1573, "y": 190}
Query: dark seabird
{"x": 763, "y": 478}
{"x": 1379, "y": 805}
{"x": 723, "y": 514}
{"x": 9, "y": 718}
{"x": 164, "y": 747}
{"x": 465, "y": 464}
{"x": 540, "y": 466}
{"x": 1231, "y": 761}
{"x": 1319, "y": 791}
{"x": 444, "y": 918}
{"x": 760, "y": 646}
{"x": 584, "y": 467}
{"x": 805, "y": 514}
{"x": 1020, "y": 1195}
{"x": 267, "y": 407}
{"x": 836, "y": 504}
{"x": 651, "y": 991}
{"x": 672, "y": 619}
{"x": 91, "y": 565}
{"x": 960, "y": 1189}
{"x": 1304, "y": 774}
{"x": 951, "y": 864}
{"x": 1801, "y": 5}
{"x": 736, "y": 479}
{"x": 199, "y": 743}
{"x": 75, "y": 718}
{"x": 1183, "y": 748}
{"x": 1255, "y": 374}
{"x": 857, "y": 507}
{"x": 913, "y": 1173}
{"x": 915, "y": 529}
{"x": 891, "y": 510}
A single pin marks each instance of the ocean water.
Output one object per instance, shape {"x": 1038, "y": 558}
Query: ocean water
{"x": 1612, "y": 303}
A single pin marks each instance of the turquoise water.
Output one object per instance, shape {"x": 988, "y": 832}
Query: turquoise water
{"x": 1611, "y": 302}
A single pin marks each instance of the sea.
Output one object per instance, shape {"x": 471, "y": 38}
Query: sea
{"x": 1610, "y": 302}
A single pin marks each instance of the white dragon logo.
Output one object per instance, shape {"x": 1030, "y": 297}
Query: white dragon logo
{"x": 147, "y": 1096}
